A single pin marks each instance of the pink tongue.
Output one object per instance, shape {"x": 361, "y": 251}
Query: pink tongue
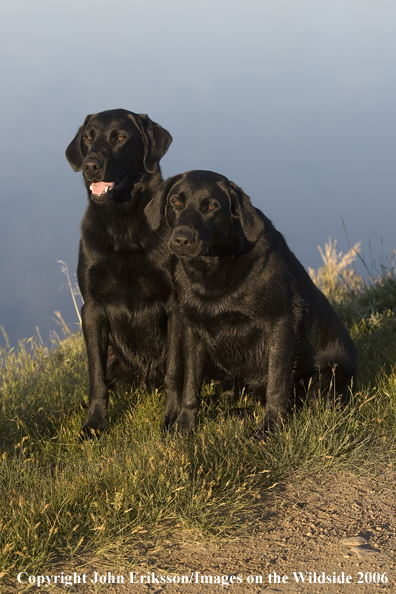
{"x": 99, "y": 188}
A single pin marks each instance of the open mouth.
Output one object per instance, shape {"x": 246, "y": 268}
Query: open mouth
{"x": 101, "y": 188}
{"x": 101, "y": 191}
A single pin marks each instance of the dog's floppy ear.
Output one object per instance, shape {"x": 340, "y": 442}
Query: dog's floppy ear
{"x": 74, "y": 152}
{"x": 156, "y": 207}
{"x": 251, "y": 224}
{"x": 156, "y": 141}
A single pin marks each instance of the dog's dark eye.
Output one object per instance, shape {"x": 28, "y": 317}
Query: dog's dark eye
{"x": 212, "y": 206}
{"x": 120, "y": 137}
{"x": 176, "y": 203}
{"x": 88, "y": 137}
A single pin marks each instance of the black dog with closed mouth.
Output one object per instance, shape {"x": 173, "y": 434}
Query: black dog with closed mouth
{"x": 123, "y": 267}
{"x": 245, "y": 302}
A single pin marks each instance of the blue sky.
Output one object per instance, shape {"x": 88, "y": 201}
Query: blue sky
{"x": 292, "y": 100}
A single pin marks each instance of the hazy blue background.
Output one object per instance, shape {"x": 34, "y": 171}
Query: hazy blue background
{"x": 294, "y": 100}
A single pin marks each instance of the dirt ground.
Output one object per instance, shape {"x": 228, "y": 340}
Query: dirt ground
{"x": 338, "y": 534}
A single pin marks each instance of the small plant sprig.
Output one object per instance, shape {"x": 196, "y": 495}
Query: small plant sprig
{"x": 337, "y": 276}
{"x": 74, "y": 289}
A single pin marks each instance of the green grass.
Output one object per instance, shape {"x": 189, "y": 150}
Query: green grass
{"x": 63, "y": 499}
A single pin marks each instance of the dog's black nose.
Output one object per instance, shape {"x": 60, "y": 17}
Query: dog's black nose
{"x": 183, "y": 238}
{"x": 92, "y": 165}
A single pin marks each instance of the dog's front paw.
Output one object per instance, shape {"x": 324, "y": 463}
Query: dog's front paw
{"x": 169, "y": 420}
{"x": 88, "y": 432}
{"x": 185, "y": 422}
{"x": 96, "y": 421}
{"x": 272, "y": 418}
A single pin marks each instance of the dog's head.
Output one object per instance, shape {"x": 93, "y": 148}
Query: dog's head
{"x": 208, "y": 215}
{"x": 114, "y": 149}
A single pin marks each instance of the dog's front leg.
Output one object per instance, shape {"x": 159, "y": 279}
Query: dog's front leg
{"x": 281, "y": 350}
{"x": 194, "y": 358}
{"x": 174, "y": 369}
{"x": 96, "y": 335}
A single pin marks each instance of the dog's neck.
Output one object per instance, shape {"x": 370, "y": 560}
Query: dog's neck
{"x": 209, "y": 270}
{"x": 214, "y": 276}
{"x": 122, "y": 222}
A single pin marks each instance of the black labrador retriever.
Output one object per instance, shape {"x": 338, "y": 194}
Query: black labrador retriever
{"x": 246, "y": 303}
{"x": 123, "y": 267}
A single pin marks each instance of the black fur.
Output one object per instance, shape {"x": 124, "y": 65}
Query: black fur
{"x": 246, "y": 303}
{"x": 123, "y": 267}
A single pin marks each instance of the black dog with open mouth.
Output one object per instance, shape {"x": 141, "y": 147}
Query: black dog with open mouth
{"x": 123, "y": 267}
{"x": 245, "y": 303}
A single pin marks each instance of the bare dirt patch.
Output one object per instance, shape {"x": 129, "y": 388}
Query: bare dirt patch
{"x": 307, "y": 529}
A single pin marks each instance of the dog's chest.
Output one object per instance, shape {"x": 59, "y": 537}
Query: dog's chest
{"x": 234, "y": 340}
{"x": 135, "y": 308}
